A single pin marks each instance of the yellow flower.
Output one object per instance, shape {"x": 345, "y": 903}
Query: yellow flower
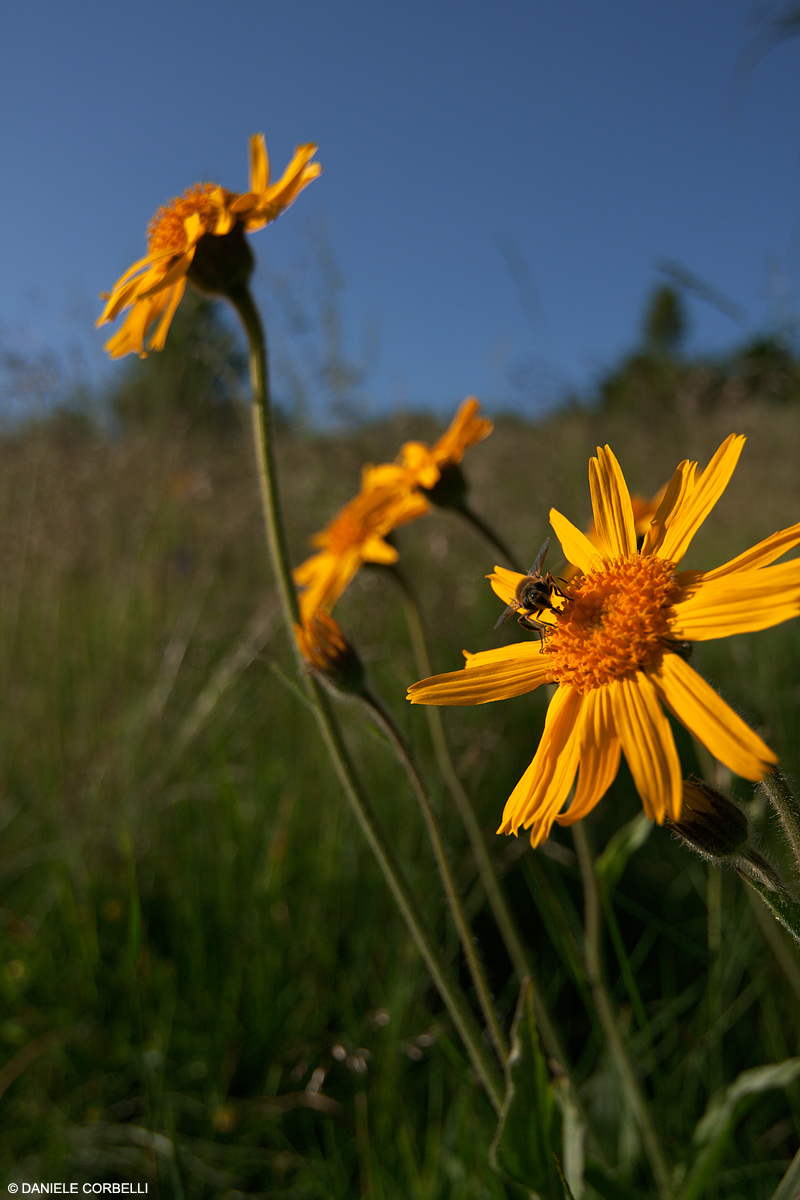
{"x": 354, "y": 536}
{"x": 180, "y": 247}
{"x": 420, "y": 466}
{"x": 612, "y": 649}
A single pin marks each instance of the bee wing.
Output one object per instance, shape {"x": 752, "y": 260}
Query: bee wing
{"x": 509, "y": 612}
{"x": 536, "y": 569}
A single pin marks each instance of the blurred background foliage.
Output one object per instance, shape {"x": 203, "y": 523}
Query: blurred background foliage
{"x": 205, "y": 984}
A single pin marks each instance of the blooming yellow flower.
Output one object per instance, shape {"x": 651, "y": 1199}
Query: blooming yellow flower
{"x": 354, "y": 536}
{"x": 612, "y": 649}
{"x": 420, "y": 466}
{"x": 179, "y": 246}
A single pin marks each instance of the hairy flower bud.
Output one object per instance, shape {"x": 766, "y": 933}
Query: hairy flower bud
{"x": 710, "y": 823}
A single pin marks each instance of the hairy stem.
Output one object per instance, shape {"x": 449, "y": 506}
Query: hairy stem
{"x": 449, "y": 990}
{"x": 605, "y": 1013}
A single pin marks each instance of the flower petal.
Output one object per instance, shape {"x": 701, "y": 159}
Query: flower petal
{"x": 739, "y": 603}
{"x": 675, "y": 493}
{"x": 160, "y": 336}
{"x": 482, "y": 682}
{"x": 577, "y": 548}
{"x": 611, "y": 504}
{"x": 545, "y": 784}
{"x": 259, "y": 164}
{"x": 760, "y": 555}
{"x": 688, "y": 516}
{"x": 599, "y": 756}
{"x": 504, "y": 583}
{"x": 713, "y": 722}
{"x": 648, "y": 745}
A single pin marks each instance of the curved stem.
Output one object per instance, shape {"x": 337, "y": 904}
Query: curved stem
{"x": 519, "y": 956}
{"x": 452, "y": 996}
{"x": 400, "y": 747}
{"x": 605, "y": 1013}
{"x": 782, "y": 799}
{"x": 486, "y": 531}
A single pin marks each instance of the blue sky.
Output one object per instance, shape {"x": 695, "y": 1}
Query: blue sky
{"x": 589, "y": 140}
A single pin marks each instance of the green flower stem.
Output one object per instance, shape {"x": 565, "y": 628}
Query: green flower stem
{"x": 400, "y": 747}
{"x": 486, "y": 531}
{"x": 452, "y": 996}
{"x": 782, "y": 800}
{"x": 491, "y": 884}
{"x": 605, "y": 1013}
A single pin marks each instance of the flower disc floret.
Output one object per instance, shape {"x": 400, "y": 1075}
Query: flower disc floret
{"x": 167, "y": 233}
{"x": 614, "y": 623}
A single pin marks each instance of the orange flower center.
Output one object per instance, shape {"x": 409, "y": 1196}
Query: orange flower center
{"x": 167, "y": 231}
{"x": 615, "y": 622}
{"x": 346, "y": 531}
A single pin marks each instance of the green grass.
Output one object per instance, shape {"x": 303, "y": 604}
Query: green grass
{"x": 205, "y": 985}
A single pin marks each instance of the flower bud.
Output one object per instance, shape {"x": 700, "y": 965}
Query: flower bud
{"x": 221, "y": 263}
{"x": 710, "y": 823}
{"x": 329, "y": 654}
{"x": 450, "y": 488}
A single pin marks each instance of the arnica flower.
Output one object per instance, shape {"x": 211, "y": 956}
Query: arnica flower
{"x": 199, "y": 236}
{"x": 435, "y": 469}
{"x": 328, "y": 653}
{"x": 613, "y": 649}
{"x": 355, "y": 536}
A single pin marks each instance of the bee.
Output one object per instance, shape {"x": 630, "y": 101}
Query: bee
{"x": 535, "y": 594}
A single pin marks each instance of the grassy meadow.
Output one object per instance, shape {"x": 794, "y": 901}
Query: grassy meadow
{"x": 205, "y": 984}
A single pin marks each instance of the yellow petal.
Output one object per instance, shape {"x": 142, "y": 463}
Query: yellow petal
{"x": 688, "y": 516}
{"x": 760, "y": 555}
{"x": 710, "y": 719}
{"x": 648, "y": 745}
{"x": 259, "y": 164}
{"x": 545, "y": 784}
{"x": 481, "y": 683}
{"x": 160, "y": 336}
{"x": 739, "y": 603}
{"x": 518, "y": 650}
{"x": 504, "y": 583}
{"x": 674, "y": 497}
{"x": 376, "y": 550}
{"x": 599, "y": 756}
{"x": 576, "y": 546}
{"x": 177, "y": 271}
{"x": 611, "y": 504}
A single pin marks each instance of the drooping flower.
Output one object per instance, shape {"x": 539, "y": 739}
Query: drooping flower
{"x": 199, "y": 236}
{"x": 613, "y": 648}
{"x": 328, "y": 653}
{"x": 355, "y": 536}
{"x": 429, "y": 468}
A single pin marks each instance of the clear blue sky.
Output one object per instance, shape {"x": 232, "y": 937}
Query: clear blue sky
{"x": 594, "y": 138}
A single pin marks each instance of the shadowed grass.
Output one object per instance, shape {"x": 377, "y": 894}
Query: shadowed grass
{"x": 204, "y": 983}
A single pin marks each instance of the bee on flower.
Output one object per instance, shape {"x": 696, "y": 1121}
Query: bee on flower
{"x": 614, "y": 650}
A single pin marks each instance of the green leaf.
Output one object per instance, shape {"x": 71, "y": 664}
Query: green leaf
{"x": 523, "y": 1147}
{"x": 723, "y": 1109}
{"x": 612, "y": 862}
{"x": 786, "y": 911}
{"x": 789, "y": 1186}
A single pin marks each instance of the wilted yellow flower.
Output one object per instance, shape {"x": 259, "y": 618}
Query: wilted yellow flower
{"x": 327, "y": 651}
{"x": 421, "y": 466}
{"x": 612, "y": 649}
{"x": 355, "y": 536}
{"x": 181, "y": 245}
